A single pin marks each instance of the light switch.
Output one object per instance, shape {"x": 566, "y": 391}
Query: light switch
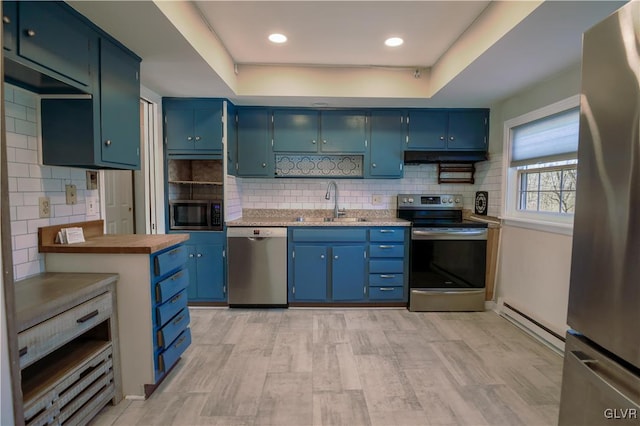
{"x": 92, "y": 205}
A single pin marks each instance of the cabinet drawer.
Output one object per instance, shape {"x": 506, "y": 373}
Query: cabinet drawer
{"x": 386, "y": 266}
{"x": 169, "y": 260}
{"x": 173, "y": 328}
{"x": 170, "y": 308}
{"x": 169, "y": 357}
{"x": 386, "y": 234}
{"x": 386, "y": 280}
{"x": 168, "y": 287}
{"x": 329, "y": 234}
{"x": 43, "y": 338}
{"x": 386, "y": 250}
{"x": 385, "y": 293}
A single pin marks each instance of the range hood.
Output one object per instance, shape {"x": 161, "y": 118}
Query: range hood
{"x": 427, "y": 157}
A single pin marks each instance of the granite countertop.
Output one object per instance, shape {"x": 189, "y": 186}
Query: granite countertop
{"x": 307, "y": 217}
{"x": 44, "y": 295}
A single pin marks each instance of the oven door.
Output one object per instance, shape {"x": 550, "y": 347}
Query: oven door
{"x": 447, "y": 269}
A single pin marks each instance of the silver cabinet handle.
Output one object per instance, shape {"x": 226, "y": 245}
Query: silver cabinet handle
{"x": 199, "y": 255}
{"x": 189, "y": 138}
{"x": 386, "y": 247}
{"x": 107, "y": 142}
{"x": 313, "y": 141}
{"x": 197, "y": 138}
{"x": 31, "y": 33}
{"x": 387, "y": 231}
{"x": 441, "y": 138}
{"x": 387, "y": 276}
{"x": 322, "y": 256}
{"x": 336, "y": 256}
{"x": 386, "y": 288}
{"x": 264, "y": 165}
{"x": 324, "y": 141}
{"x": 6, "y": 20}
{"x": 374, "y": 165}
{"x": 191, "y": 255}
{"x": 451, "y": 138}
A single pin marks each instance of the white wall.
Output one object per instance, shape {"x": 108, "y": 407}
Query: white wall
{"x": 290, "y": 193}
{"x": 534, "y": 266}
{"x": 28, "y": 181}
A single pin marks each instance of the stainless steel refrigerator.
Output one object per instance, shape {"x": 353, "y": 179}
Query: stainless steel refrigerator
{"x": 601, "y": 375}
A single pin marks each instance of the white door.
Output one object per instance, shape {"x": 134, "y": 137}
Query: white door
{"x": 118, "y": 186}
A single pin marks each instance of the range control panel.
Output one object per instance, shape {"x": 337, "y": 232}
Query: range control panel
{"x": 430, "y": 201}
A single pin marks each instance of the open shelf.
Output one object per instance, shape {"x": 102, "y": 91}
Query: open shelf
{"x": 456, "y": 173}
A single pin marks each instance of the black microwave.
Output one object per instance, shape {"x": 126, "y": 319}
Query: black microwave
{"x": 195, "y": 215}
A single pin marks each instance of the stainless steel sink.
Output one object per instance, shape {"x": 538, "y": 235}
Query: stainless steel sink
{"x": 345, "y": 219}
{"x": 329, "y": 219}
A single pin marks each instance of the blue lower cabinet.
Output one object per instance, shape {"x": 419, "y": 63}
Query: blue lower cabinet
{"x": 327, "y": 265}
{"x": 386, "y": 293}
{"x": 388, "y": 264}
{"x": 206, "y": 265}
{"x": 170, "y": 278}
{"x": 167, "y": 358}
{"x": 348, "y": 266}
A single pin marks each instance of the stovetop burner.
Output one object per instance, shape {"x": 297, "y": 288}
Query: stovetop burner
{"x": 434, "y": 211}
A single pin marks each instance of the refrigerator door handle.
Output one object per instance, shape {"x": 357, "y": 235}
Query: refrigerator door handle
{"x": 596, "y": 371}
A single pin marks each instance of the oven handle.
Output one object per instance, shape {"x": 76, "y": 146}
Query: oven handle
{"x": 449, "y": 234}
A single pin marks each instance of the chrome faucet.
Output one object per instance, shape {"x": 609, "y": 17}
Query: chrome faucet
{"x": 327, "y": 196}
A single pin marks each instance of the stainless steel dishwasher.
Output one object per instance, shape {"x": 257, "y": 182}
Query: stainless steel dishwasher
{"x": 257, "y": 267}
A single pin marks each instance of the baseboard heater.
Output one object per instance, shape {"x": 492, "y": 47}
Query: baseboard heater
{"x": 530, "y": 325}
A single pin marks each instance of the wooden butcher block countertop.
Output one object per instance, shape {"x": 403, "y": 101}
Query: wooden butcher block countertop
{"x": 98, "y": 242}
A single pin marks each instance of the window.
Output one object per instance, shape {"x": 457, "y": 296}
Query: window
{"x": 541, "y": 164}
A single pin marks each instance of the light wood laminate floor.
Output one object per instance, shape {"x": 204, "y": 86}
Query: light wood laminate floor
{"x": 352, "y": 367}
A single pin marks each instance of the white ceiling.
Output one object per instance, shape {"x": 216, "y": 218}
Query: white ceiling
{"x": 468, "y": 53}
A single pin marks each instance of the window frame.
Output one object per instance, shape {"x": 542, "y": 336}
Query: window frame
{"x": 512, "y": 215}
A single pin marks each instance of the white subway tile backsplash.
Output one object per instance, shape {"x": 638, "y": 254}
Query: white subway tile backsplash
{"x": 29, "y": 180}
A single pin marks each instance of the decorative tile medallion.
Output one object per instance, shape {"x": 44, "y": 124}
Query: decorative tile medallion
{"x": 319, "y": 165}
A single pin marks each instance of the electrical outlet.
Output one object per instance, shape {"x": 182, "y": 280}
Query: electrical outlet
{"x": 45, "y": 207}
{"x": 72, "y": 195}
{"x": 376, "y": 200}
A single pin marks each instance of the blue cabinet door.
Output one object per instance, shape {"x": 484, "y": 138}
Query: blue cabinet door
{"x": 348, "y": 273}
{"x": 254, "y": 147}
{"x": 207, "y": 128}
{"x": 119, "y": 106}
{"x": 295, "y": 130}
{"x": 388, "y": 130}
{"x": 51, "y": 37}
{"x": 232, "y": 139}
{"x": 193, "y": 126}
{"x": 427, "y": 129}
{"x": 9, "y": 25}
{"x": 209, "y": 261}
{"x": 343, "y": 131}
{"x": 179, "y": 129}
{"x": 468, "y": 130}
{"x": 310, "y": 273}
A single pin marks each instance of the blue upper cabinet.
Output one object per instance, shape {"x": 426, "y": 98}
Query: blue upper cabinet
{"x": 232, "y": 139}
{"x": 343, "y": 131}
{"x": 119, "y": 106}
{"x": 9, "y": 25}
{"x": 106, "y": 128}
{"x": 193, "y": 126}
{"x": 388, "y": 130}
{"x": 254, "y": 155}
{"x": 295, "y": 130}
{"x": 53, "y": 39}
{"x": 314, "y": 131}
{"x": 465, "y": 130}
{"x": 468, "y": 130}
{"x": 427, "y": 129}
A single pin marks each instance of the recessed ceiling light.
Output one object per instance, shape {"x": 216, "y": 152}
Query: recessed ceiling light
{"x": 393, "y": 41}
{"x": 277, "y": 38}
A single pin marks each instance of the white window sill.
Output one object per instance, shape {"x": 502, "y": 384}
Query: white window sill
{"x": 538, "y": 225}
